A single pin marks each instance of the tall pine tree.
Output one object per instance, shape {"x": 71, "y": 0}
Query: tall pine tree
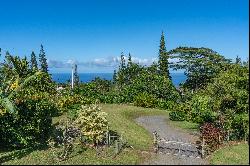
{"x": 121, "y": 75}
{"x": 43, "y": 60}
{"x": 163, "y": 58}
{"x": 114, "y": 77}
{"x": 33, "y": 62}
{"x": 122, "y": 61}
{"x": 238, "y": 60}
{"x": 129, "y": 59}
{"x": 76, "y": 76}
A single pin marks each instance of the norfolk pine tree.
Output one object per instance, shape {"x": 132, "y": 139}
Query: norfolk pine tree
{"x": 238, "y": 60}
{"x": 76, "y": 76}
{"x": 122, "y": 61}
{"x": 114, "y": 77}
{"x": 129, "y": 60}
{"x": 163, "y": 58}
{"x": 33, "y": 62}
{"x": 43, "y": 60}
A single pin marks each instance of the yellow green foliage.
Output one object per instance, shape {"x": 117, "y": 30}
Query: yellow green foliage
{"x": 92, "y": 122}
{"x": 2, "y": 111}
{"x": 65, "y": 101}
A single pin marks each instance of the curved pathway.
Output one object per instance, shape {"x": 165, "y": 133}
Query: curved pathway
{"x": 162, "y": 126}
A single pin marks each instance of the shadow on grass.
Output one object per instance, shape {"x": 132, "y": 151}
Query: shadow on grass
{"x": 11, "y": 154}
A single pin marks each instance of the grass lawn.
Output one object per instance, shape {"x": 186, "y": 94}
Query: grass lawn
{"x": 188, "y": 126}
{"x": 231, "y": 155}
{"x": 121, "y": 119}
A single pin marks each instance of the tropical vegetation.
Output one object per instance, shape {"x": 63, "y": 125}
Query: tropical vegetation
{"x": 214, "y": 96}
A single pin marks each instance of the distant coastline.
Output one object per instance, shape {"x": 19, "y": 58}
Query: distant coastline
{"x": 177, "y": 78}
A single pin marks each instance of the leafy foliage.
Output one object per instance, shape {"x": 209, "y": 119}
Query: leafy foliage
{"x": 92, "y": 122}
{"x": 177, "y": 116}
{"x": 65, "y": 100}
{"x": 200, "y": 65}
{"x": 25, "y": 105}
{"x": 223, "y": 102}
{"x": 213, "y": 136}
{"x": 97, "y": 89}
{"x": 229, "y": 93}
{"x": 140, "y": 83}
{"x": 145, "y": 100}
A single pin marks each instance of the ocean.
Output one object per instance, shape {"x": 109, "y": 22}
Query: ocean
{"x": 177, "y": 78}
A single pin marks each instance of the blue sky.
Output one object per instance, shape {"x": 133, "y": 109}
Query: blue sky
{"x": 93, "y": 33}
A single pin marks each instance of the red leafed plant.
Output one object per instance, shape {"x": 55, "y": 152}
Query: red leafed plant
{"x": 212, "y": 135}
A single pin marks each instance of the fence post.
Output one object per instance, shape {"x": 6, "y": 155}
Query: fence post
{"x": 180, "y": 148}
{"x": 203, "y": 148}
{"x": 107, "y": 136}
{"x": 155, "y": 142}
{"x": 117, "y": 146}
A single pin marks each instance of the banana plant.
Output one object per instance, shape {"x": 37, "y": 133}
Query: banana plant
{"x": 5, "y": 98}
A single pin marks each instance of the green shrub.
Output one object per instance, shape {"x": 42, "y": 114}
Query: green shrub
{"x": 72, "y": 111}
{"x": 177, "y": 116}
{"x": 145, "y": 100}
{"x": 180, "y": 112}
{"x": 65, "y": 101}
{"x": 92, "y": 122}
{"x": 28, "y": 121}
{"x": 30, "y": 124}
{"x": 240, "y": 126}
{"x": 165, "y": 104}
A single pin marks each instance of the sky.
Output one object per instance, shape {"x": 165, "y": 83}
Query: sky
{"x": 93, "y": 33}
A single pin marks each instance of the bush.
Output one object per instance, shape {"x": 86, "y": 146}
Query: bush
{"x": 151, "y": 83}
{"x": 201, "y": 109}
{"x": 92, "y": 122}
{"x": 65, "y": 101}
{"x": 145, "y": 100}
{"x": 28, "y": 121}
{"x": 213, "y": 136}
{"x": 177, "y": 116}
{"x": 240, "y": 126}
{"x": 30, "y": 124}
{"x": 113, "y": 97}
{"x": 164, "y": 104}
{"x": 180, "y": 112}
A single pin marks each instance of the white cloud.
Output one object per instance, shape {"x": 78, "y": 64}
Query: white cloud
{"x": 58, "y": 64}
{"x": 70, "y": 62}
{"x": 99, "y": 62}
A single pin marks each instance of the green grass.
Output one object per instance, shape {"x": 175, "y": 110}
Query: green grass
{"x": 188, "y": 126}
{"x": 231, "y": 155}
{"x": 121, "y": 119}
{"x": 88, "y": 157}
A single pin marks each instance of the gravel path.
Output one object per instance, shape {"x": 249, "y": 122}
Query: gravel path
{"x": 161, "y": 125}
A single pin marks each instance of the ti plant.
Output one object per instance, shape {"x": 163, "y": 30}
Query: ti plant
{"x": 8, "y": 90}
{"x": 13, "y": 71}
